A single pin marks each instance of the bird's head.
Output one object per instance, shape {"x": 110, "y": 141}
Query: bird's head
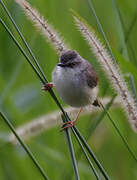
{"x": 69, "y": 58}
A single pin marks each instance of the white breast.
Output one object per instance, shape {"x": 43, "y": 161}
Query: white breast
{"x": 72, "y": 87}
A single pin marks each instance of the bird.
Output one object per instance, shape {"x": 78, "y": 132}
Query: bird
{"x": 76, "y": 82}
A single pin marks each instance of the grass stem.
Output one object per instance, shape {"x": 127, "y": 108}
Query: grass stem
{"x": 25, "y": 147}
{"x": 71, "y": 149}
{"x": 120, "y": 134}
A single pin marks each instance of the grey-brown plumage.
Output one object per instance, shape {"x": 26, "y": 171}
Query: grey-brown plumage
{"x": 75, "y": 80}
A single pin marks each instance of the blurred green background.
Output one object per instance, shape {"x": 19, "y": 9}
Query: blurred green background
{"x": 22, "y": 100}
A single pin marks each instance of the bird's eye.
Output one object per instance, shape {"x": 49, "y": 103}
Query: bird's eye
{"x": 72, "y": 64}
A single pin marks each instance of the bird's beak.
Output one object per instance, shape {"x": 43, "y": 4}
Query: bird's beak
{"x": 60, "y": 64}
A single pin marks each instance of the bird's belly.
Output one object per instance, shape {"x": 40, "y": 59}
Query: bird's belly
{"x": 72, "y": 89}
{"x": 72, "y": 95}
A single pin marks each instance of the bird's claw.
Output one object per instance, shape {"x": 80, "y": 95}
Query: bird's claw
{"x": 47, "y": 87}
{"x": 68, "y": 124}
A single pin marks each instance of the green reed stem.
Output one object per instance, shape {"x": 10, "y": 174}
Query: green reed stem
{"x": 98, "y": 119}
{"x": 120, "y": 134}
{"x": 71, "y": 149}
{"x": 126, "y": 33}
{"x": 101, "y": 30}
{"x": 91, "y": 153}
{"x": 24, "y": 146}
{"x": 24, "y": 41}
{"x": 87, "y": 157}
{"x": 21, "y": 49}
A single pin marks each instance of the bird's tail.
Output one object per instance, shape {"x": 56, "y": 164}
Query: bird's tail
{"x": 96, "y": 103}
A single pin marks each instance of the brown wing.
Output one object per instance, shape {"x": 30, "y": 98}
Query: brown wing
{"x": 92, "y": 78}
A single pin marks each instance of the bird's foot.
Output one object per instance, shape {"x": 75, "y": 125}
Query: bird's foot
{"x": 68, "y": 124}
{"x": 47, "y": 87}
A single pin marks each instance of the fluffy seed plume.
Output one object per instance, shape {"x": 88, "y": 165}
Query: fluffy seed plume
{"x": 46, "y": 29}
{"x": 41, "y": 124}
{"x": 112, "y": 72}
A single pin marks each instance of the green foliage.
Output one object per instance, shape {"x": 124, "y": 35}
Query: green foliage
{"x": 24, "y": 101}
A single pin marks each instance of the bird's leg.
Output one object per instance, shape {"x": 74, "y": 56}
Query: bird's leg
{"x": 47, "y": 86}
{"x": 71, "y": 123}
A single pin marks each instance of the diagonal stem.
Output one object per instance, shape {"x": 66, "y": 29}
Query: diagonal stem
{"x": 24, "y": 41}
{"x": 24, "y": 146}
{"x": 91, "y": 153}
{"x": 86, "y": 155}
{"x": 21, "y": 49}
{"x": 71, "y": 149}
{"x": 120, "y": 134}
{"x": 126, "y": 34}
{"x": 101, "y": 30}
